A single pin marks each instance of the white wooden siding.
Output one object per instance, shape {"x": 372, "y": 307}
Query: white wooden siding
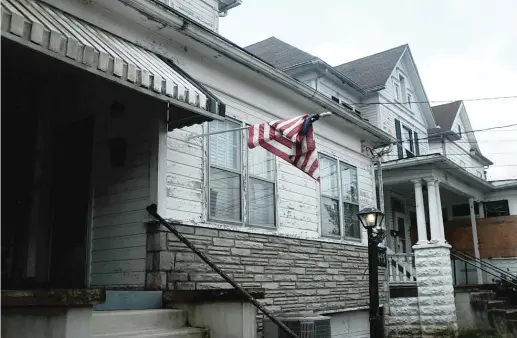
{"x": 369, "y": 109}
{"x": 120, "y": 197}
{"x": 297, "y": 194}
{"x": 460, "y": 156}
{"x": 204, "y": 12}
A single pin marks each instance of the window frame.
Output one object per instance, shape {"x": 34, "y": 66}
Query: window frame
{"x": 340, "y": 200}
{"x": 411, "y": 140}
{"x": 245, "y": 176}
{"x": 397, "y": 90}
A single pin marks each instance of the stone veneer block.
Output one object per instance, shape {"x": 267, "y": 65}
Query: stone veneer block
{"x": 435, "y": 289}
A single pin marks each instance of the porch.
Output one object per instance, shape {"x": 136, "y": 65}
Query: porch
{"x": 83, "y": 113}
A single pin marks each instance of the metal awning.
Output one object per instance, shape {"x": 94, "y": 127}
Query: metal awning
{"x": 62, "y": 36}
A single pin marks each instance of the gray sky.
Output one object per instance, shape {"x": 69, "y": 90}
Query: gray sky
{"x": 462, "y": 48}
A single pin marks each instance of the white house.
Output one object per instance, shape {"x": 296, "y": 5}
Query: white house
{"x": 436, "y": 154}
{"x": 118, "y": 92}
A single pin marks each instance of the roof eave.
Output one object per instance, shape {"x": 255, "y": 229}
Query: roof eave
{"x": 211, "y": 39}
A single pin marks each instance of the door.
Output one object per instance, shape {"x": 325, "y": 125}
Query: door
{"x": 72, "y": 167}
{"x": 400, "y": 221}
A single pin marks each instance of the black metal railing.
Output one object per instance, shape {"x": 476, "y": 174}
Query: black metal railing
{"x": 152, "y": 210}
{"x": 482, "y": 265}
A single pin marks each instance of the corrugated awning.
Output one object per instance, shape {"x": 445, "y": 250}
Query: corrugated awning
{"x": 58, "y": 34}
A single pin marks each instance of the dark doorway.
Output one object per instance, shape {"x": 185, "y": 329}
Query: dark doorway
{"x": 71, "y": 182}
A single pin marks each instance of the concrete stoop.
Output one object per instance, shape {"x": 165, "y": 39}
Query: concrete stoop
{"x": 495, "y": 313}
{"x": 152, "y": 323}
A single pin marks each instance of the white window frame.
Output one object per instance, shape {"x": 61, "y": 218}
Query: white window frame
{"x": 397, "y": 90}
{"x": 341, "y": 201}
{"x": 245, "y": 176}
{"x": 410, "y": 141}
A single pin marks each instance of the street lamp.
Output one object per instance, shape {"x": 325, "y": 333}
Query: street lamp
{"x": 371, "y": 219}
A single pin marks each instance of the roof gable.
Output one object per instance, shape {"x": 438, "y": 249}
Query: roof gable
{"x": 373, "y": 71}
{"x": 445, "y": 114}
{"x": 279, "y": 53}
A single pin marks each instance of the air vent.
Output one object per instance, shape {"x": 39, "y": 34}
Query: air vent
{"x": 305, "y": 325}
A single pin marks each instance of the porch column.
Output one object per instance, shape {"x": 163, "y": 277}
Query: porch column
{"x": 440, "y": 212}
{"x": 420, "y": 213}
{"x": 475, "y": 238}
{"x": 433, "y": 212}
{"x": 481, "y": 209}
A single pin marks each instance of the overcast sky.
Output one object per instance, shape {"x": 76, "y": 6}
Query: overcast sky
{"x": 462, "y": 48}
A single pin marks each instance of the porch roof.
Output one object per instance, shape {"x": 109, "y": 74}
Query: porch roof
{"x": 437, "y": 161}
{"x": 62, "y": 36}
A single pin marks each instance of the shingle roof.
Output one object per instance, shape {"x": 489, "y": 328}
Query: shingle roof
{"x": 374, "y": 70}
{"x": 279, "y": 53}
{"x": 445, "y": 114}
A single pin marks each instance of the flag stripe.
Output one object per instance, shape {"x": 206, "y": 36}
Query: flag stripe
{"x": 283, "y": 138}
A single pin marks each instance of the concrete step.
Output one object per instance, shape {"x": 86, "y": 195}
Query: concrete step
{"x": 112, "y": 322}
{"x": 186, "y": 332}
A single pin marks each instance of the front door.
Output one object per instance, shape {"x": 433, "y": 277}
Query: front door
{"x": 72, "y": 167}
{"x": 401, "y": 240}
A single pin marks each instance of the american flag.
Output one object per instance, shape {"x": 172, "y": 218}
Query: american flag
{"x": 290, "y": 139}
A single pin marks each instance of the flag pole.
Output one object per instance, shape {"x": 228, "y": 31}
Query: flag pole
{"x": 237, "y": 129}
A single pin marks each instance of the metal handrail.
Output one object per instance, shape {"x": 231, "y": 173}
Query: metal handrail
{"x": 508, "y": 280}
{"x": 152, "y": 210}
{"x": 482, "y": 262}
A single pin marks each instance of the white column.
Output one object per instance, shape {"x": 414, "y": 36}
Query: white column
{"x": 433, "y": 212}
{"x": 440, "y": 212}
{"x": 475, "y": 237}
{"x": 481, "y": 210}
{"x": 420, "y": 213}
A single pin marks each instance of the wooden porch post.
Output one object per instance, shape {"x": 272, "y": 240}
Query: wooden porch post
{"x": 475, "y": 238}
{"x": 433, "y": 211}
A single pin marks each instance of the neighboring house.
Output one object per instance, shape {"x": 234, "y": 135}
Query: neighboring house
{"x": 434, "y": 173}
{"x": 110, "y": 95}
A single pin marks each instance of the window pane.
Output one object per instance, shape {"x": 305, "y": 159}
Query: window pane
{"x": 350, "y": 220}
{"x": 330, "y": 217}
{"x": 225, "y": 148}
{"x": 262, "y": 202}
{"x": 225, "y": 195}
{"x": 349, "y": 183}
{"x": 328, "y": 180}
{"x": 261, "y": 163}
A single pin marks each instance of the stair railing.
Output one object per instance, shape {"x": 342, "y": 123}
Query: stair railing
{"x": 152, "y": 210}
{"x": 484, "y": 266}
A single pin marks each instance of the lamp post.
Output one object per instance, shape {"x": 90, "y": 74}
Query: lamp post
{"x": 371, "y": 219}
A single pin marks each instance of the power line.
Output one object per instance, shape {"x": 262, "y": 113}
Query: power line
{"x": 439, "y": 101}
{"x": 470, "y": 131}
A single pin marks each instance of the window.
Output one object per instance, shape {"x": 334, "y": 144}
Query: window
{"x": 335, "y": 99}
{"x": 339, "y": 199}
{"x": 227, "y": 174}
{"x": 407, "y": 141}
{"x": 397, "y": 90}
{"x": 459, "y": 130}
{"x": 497, "y": 208}
{"x": 463, "y": 210}
{"x": 402, "y": 81}
{"x": 409, "y": 100}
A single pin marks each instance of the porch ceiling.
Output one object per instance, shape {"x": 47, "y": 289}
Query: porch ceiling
{"x": 62, "y": 36}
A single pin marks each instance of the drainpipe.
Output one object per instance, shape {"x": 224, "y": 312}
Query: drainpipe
{"x": 380, "y": 182}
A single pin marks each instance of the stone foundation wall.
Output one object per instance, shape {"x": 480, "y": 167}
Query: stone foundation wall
{"x": 297, "y": 274}
{"x": 403, "y": 318}
{"x": 435, "y": 289}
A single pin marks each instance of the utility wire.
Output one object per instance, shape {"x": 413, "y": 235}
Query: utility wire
{"x": 439, "y": 101}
